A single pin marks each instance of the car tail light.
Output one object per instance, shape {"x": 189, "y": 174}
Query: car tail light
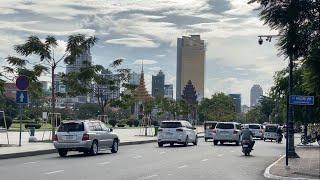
{"x": 261, "y": 131}
{"x": 235, "y": 132}
{"x": 85, "y": 137}
{"x": 55, "y": 138}
{"x": 159, "y": 130}
{"x": 181, "y": 130}
{"x": 214, "y": 131}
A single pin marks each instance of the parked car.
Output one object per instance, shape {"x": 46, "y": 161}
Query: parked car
{"x": 209, "y": 127}
{"x": 227, "y": 132}
{"x": 88, "y": 136}
{"x": 257, "y": 130}
{"x": 180, "y": 132}
{"x": 270, "y": 132}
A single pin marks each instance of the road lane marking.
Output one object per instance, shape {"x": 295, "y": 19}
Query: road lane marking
{"x": 162, "y": 152}
{"x": 220, "y": 155}
{"x": 204, "y": 160}
{"x": 32, "y": 162}
{"x": 184, "y": 166}
{"x": 232, "y": 151}
{"x": 149, "y": 177}
{"x": 137, "y": 157}
{"x": 54, "y": 172}
{"x": 103, "y": 163}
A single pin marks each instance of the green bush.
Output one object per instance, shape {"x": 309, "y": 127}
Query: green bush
{"x": 136, "y": 123}
{"x": 8, "y": 122}
{"x": 37, "y": 126}
{"x": 113, "y": 122}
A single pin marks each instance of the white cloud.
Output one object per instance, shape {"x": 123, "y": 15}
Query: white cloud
{"x": 145, "y": 61}
{"x": 155, "y": 69}
{"x": 134, "y": 42}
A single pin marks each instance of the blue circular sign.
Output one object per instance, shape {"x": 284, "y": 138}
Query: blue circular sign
{"x": 22, "y": 82}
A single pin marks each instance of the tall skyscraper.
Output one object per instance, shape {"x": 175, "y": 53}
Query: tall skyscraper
{"x": 80, "y": 62}
{"x": 255, "y": 95}
{"x": 168, "y": 91}
{"x": 237, "y": 102}
{"x": 158, "y": 85}
{"x": 190, "y": 64}
{"x": 134, "y": 78}
{"x": 106, "y": 91}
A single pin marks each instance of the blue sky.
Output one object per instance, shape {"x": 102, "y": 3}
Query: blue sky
{"x": 148, "y": 30}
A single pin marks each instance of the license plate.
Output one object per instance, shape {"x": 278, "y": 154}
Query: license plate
{"x": 245, "y": 145}
{"x": 69, "y": 137}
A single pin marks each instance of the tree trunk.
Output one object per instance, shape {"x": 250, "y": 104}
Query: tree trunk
{"x": 53, "y": 101}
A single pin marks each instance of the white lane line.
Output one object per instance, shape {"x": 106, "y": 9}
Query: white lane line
{"x": 54, "y": 172}
{"x": 32, "y": 162}
{"x": 232, "y": 151}
{"x": 184, "y": 166}
{"x": 137, "y": 157}
{"x": 204, "y": 160}
{"x": 220, "y": 155}
{"x": 103, "y": 163}
{"x": 149, "y": 177}
{"x": 162, "y": 152}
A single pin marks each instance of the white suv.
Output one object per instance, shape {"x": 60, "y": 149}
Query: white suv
{"x": 227, "y": 132}
{"x": 180, "y": 132}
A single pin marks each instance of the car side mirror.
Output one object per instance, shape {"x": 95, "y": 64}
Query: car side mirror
{"x": 111, "y": 130}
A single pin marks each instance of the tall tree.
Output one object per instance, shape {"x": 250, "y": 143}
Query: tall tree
{"x": 46, "y": 51}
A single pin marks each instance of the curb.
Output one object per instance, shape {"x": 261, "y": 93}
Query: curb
{"x": 268, "y": 175}
{"x": 51, "y": 151}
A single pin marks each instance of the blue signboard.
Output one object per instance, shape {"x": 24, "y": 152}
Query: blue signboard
{"x": 22, "y": 97}
{"x": 22, "y": 82}
{"x": 301, "y": 100}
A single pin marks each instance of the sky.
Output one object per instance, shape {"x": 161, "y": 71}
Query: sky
{"x": 137, "y": 30}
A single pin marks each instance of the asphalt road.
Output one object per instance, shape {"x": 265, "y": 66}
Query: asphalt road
{"x": 147, "y": 161}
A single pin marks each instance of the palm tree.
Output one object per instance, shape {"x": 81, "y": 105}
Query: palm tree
{"x": 45, "y": 50}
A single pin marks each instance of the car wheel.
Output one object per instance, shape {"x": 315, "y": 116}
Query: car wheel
{"x": 186, "y": 142}
{"x": 160, "y": 144}
{"x": 62, "y": 152}
{"x": 205, "y": 139}
{"x": 171, "y": 144}
{"x": 195, "y": 141}
{"x": 221, "y": 142}
{"x": 237, "y": 143}
{"x": 94, "y": 148}
{"x": 271, "y": 140}
{"x": 115, "y": 146}
{"x": 215, "y": 142}
{"x": 264, "y": 139}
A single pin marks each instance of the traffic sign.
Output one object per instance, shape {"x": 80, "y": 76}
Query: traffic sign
{"x": 22, "y": 82}
{"x": 301, "y": 100}
{"x": 22, "y": 97}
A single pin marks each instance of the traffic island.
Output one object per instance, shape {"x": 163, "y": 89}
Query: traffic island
{"x": 305, "y": 167}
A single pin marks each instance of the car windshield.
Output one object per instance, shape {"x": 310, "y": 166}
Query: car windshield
{"x": 224, "y": 126}
{"x": 254, "y": 127}
{"x": 71, "y": 127}
{"x": 170, "y": 124}
{"x": 210, "y": 125}
{"x": 271, "y": 128}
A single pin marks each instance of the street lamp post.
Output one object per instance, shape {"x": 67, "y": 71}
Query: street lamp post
{"x": 290, "y": 150}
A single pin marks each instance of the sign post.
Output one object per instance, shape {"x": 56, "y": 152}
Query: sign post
{"x": 22, "y": 84}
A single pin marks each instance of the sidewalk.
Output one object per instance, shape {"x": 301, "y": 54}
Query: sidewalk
{"x": 305, "y": 167}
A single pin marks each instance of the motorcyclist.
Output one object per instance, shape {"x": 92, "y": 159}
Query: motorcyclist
{"x": 279, "y": 132}
{"x": 246, "y": 134}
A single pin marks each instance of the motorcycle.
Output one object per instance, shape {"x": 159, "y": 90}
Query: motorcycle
{"x": 246, "y": 147}
{"x": 311, "y": 138}
{"x": 279, "y": 138}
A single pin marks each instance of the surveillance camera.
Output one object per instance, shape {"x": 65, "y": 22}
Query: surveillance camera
{"x": 260, "y": 41}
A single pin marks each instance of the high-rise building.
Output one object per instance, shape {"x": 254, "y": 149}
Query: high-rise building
{"x": 107, "y": 91}
{"x": 245, "y": 108}
{"x": 158, "y": 85}
{"x": 237, "y": 102}
{"x": 59, "y": 86}
{"x": 190, "y": 64}
{"x": 168, "y": 91}
{"x": 255, "y": 95}
{"x": 80, "y": 62}
{"x": 134, "y": 78}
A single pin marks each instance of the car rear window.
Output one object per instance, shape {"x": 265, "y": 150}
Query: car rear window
{"x": 225, "y": 126}
{"x": 254, "y": 127}
{"x": 271, "y": 128}
{"x": 170, "y": 125}
{"x": 210, "y": 125}
{"x": 71, "y": 127}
